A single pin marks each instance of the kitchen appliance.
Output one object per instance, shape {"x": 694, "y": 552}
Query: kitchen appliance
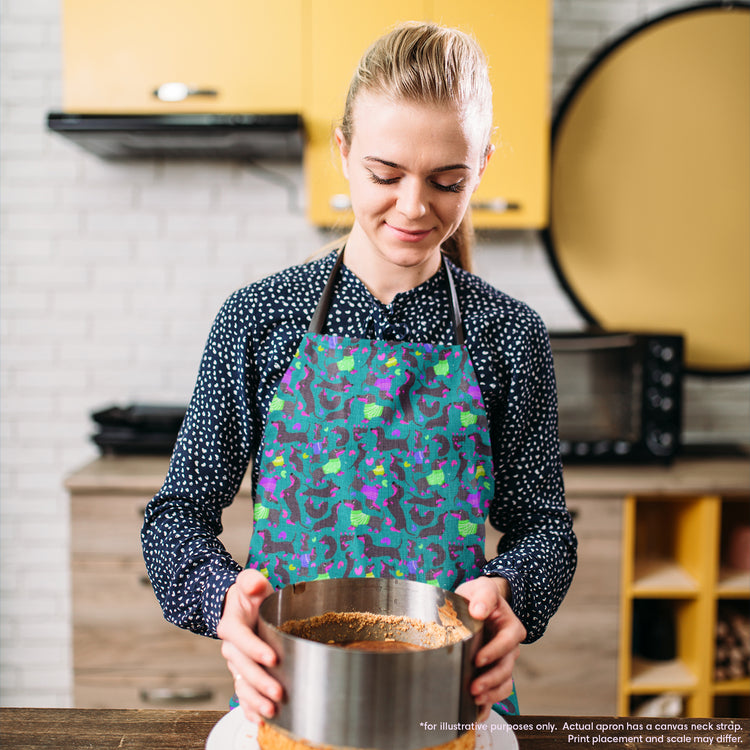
{"x": 141, "y": 429}
{"x": 619, "y": 395}
{"x": 218, "y": 136}
{"x": 374, "y": 699}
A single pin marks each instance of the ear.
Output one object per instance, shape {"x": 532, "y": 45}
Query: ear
{"x": 483, "y": 165}
{"x": 343, "y": 150}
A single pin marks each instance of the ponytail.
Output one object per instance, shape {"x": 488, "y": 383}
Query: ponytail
{"x": 458, "y": 248}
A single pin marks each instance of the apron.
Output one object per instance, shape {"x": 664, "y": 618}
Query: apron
{"x": 375, "y": 462}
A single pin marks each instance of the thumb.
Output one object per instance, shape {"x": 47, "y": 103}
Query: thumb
{"x": 480, "y": 606}
{"x": 252, "y": 583}
{"x": 482, "y": 594}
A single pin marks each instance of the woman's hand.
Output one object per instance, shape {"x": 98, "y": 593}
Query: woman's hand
{"x": 245, "y": 652}
{"x": 488, "y": 601}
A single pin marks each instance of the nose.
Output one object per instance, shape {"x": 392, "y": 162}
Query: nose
{"x": 412, "y": 200}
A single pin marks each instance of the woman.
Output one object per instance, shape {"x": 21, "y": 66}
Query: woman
{"x": 390, "y": 401}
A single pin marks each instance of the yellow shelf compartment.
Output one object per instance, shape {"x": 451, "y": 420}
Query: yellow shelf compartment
{"x": 673, "y": 676}
{"x": 732, "y": 583}
{"x": 732, "y": 687}
{"x": 731, "y": 696}
{"x": 682, "y": 672}
{"x": 662, "y": 579}
{"x": 670, "y": 555}
{"x": 692, "y": 702}
{"x": 729, "y": 673}
{"x": 732, "y": 706}
{"x": 685, "y": 675}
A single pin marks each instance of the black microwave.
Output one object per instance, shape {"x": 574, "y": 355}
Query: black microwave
{"x": 619, "y": 395}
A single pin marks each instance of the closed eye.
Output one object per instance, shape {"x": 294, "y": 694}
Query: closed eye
{"x": 455, "y": 187}
{"x": 378, "y": 180}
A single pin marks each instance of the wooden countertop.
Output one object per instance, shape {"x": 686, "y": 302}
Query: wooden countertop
{"x": 142, "y": 474}
{"x": 132, "y": 729}
{"x": 689, "y": 475}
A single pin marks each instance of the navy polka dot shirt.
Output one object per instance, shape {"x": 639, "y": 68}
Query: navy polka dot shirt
{"x": 250, "y": 346}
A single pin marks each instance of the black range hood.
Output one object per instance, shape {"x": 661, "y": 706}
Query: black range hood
{"x": 215, "y": 136}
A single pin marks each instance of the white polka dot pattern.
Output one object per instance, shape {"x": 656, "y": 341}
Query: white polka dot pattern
{"x": 250, "y": 346}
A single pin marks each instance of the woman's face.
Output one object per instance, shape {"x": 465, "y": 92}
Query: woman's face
{"x": 412, "y": 169}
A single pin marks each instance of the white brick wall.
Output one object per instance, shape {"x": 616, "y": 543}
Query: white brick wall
{"x": 111, "y": 275}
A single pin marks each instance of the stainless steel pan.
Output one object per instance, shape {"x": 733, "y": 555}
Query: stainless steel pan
{"x": 367, "y": 699}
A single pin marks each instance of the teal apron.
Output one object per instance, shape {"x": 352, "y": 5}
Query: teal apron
{"x": 376, "y": 461}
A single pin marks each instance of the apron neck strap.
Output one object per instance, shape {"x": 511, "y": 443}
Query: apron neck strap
{"x": 321, "y": 311}
{"x": 318, "y": 320}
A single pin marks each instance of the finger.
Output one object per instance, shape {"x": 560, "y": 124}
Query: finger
{"x": 244, "y": 597}
{"x": 483, "y": 596}
{"x": 236, "y": 635}
{"x": 255, "y": 706}
{"x": 254, "y": 583}
{"x": 505, "y": 641}
{"x": 499, "y": 674}
{"x": 257, "y": 677}
{"x": 495, "y": 695}
{"x": 480, "y": 608}
{"x": 256, "y": 686}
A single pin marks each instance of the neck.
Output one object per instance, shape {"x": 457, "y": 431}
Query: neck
{"x": 383, "y": 276}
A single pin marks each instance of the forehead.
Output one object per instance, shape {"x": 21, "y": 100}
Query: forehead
{"x": 397, "y": 129}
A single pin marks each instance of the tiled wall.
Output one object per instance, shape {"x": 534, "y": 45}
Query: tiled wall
{"x": 111, "y": 275}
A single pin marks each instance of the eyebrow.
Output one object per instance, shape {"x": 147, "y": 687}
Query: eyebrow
{"x": 393, "y": 165}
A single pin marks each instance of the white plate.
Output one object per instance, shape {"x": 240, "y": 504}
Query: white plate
{"x": 234, "y": 732}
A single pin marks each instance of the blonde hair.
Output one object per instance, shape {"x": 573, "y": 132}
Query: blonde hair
{"x": 428, "y": 64}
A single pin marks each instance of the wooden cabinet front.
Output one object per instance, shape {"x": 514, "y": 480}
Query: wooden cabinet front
{"x": 237, "y": 56}
{"x": 125, "y": 655}
{"x": 572, "y": 669}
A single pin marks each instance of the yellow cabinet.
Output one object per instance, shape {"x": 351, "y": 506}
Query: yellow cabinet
{"x": 298, "y": 56}
{"x": 516, "y": 38}
{"x": 677, "y": 580}
{"x": 232, "y": 55}
{"x": 339, "y": 33}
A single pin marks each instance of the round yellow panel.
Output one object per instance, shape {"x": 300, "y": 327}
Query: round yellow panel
{"x": 650, "y": 199}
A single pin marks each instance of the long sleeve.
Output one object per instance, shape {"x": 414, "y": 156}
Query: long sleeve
{"x": 537, "y": 552}
{"x": 189, "y": 568}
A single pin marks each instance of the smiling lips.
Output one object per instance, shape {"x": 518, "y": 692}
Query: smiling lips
{"x": 409, "y": 235}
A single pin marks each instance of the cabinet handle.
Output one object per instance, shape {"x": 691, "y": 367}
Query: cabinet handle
{"x": 177, "y": 92}
{"x": 340, "y": 202}
{"x": 177, "y": 695}
{"x": 496, "y": 205}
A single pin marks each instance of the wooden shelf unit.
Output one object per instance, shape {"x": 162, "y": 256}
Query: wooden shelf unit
{"x": 674, "y": 549}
